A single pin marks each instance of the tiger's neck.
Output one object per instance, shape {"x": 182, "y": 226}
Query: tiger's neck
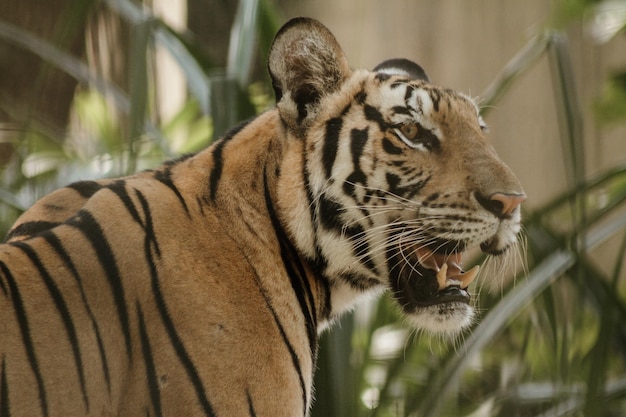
{"x": 301, "y": 211}
{"x": 267, "y": 183}
{"x": 249, "y": 194}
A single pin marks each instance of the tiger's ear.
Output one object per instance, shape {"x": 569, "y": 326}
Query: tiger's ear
{"x": 306, "y": 63}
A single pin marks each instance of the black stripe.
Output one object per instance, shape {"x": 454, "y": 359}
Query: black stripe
{"x": 297, "y": 275}
{"x": 390, "y": 148}
{"x": 372, "y": 114}
{"x": 56, "y": 244}
{"x": 22, "y": 322}
{"x": 288, "y": 345}
{"x": 429, "y": 140}
{"x": 165, "y": 176}
{"x": 408, "y": 93}
{"x": 149, "y": 238}
{"x": 119, "y": 188}
{"x": 216, "y": 171}
{"x": 302, "y": 288}
{"x": 30, "y": 229}
{"x": 350, "y": 185}
{"x": 151, "y": 375}
{"x": 358, "y": 139}
{"x": 402, "y": 109}
{"x": 218, "y": 161}
{"x": 250, "y": 404}
{"x": 3, "y": 286}
{"x": 307, "y": 187}
{"x": 201, "y": 202}
{"x": 360, "y": 246}
{"x": 408, "y": 191}
{"x": 64, "y": 313}
{"x": 319, "y": 260}
{"x": 4, "y": 392}
{"x": 359, "y": 281}
{"x": 360, "y": 97}
{"x": 281, "y": 329}
{"x": 179, "y": 159}
{"x": 436, "y": 97}
{"x": 85, "y": 188}
{"x": 331, "y": 142}
{"x": 90, "y": 228}
{"x": 393, "y": 181}
{"x": 323, "y": 291}
{"x": 411, "y": 175}
{"x": 177, "y": 344}
{"x": 329, "y": 213}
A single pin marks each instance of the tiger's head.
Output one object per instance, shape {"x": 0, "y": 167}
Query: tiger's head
{"x": 387, "y": 179}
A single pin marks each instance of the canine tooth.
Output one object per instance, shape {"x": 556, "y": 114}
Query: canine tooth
{"x": 467, "y": 278}
{"x": 442, "y": 276}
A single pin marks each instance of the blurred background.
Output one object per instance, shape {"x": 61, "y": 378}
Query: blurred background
{"x": 103, "y": 88}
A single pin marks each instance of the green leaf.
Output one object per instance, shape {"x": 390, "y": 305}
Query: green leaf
{"x": 241, "y": 51}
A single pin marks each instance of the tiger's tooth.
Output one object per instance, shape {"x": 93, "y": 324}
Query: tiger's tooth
{"x": 442, "y": 276}
{"x": 468, "y": 277}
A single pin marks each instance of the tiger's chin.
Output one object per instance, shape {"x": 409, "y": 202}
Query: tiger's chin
{"x": 445, "y": 319}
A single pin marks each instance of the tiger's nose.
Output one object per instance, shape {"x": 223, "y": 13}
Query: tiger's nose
{"x": 502, "y": 204}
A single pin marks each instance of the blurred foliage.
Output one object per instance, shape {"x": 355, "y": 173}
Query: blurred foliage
{"x": 551, "y": 342}
{"x": 611, "y": 105}
{"x": 113, "y": 131}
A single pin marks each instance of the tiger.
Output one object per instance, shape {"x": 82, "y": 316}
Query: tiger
{"x": 200, "y": 288}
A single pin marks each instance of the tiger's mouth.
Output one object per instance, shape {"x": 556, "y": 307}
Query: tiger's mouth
{"x": 425, "y": 276}
{"x": 447, "y": 269}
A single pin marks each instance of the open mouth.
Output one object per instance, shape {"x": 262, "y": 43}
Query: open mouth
{"x": 425, "y": 276}
{"x": 447, "y": 269}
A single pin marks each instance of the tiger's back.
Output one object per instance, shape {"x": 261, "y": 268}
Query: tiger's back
{"x": 200, "y": 288}
{"x": 127, "y": 316}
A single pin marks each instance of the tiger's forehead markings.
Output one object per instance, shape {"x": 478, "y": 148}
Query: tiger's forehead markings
{"x": 422, "y": 102}
{"x": 413, "y": 99}
{"x": 425, "y": 98}
{"x": 396, "y": 93}
{"x": 413, "y": 94}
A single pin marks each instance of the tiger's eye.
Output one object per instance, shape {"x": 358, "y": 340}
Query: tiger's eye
{"x": 409, "y": 130}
